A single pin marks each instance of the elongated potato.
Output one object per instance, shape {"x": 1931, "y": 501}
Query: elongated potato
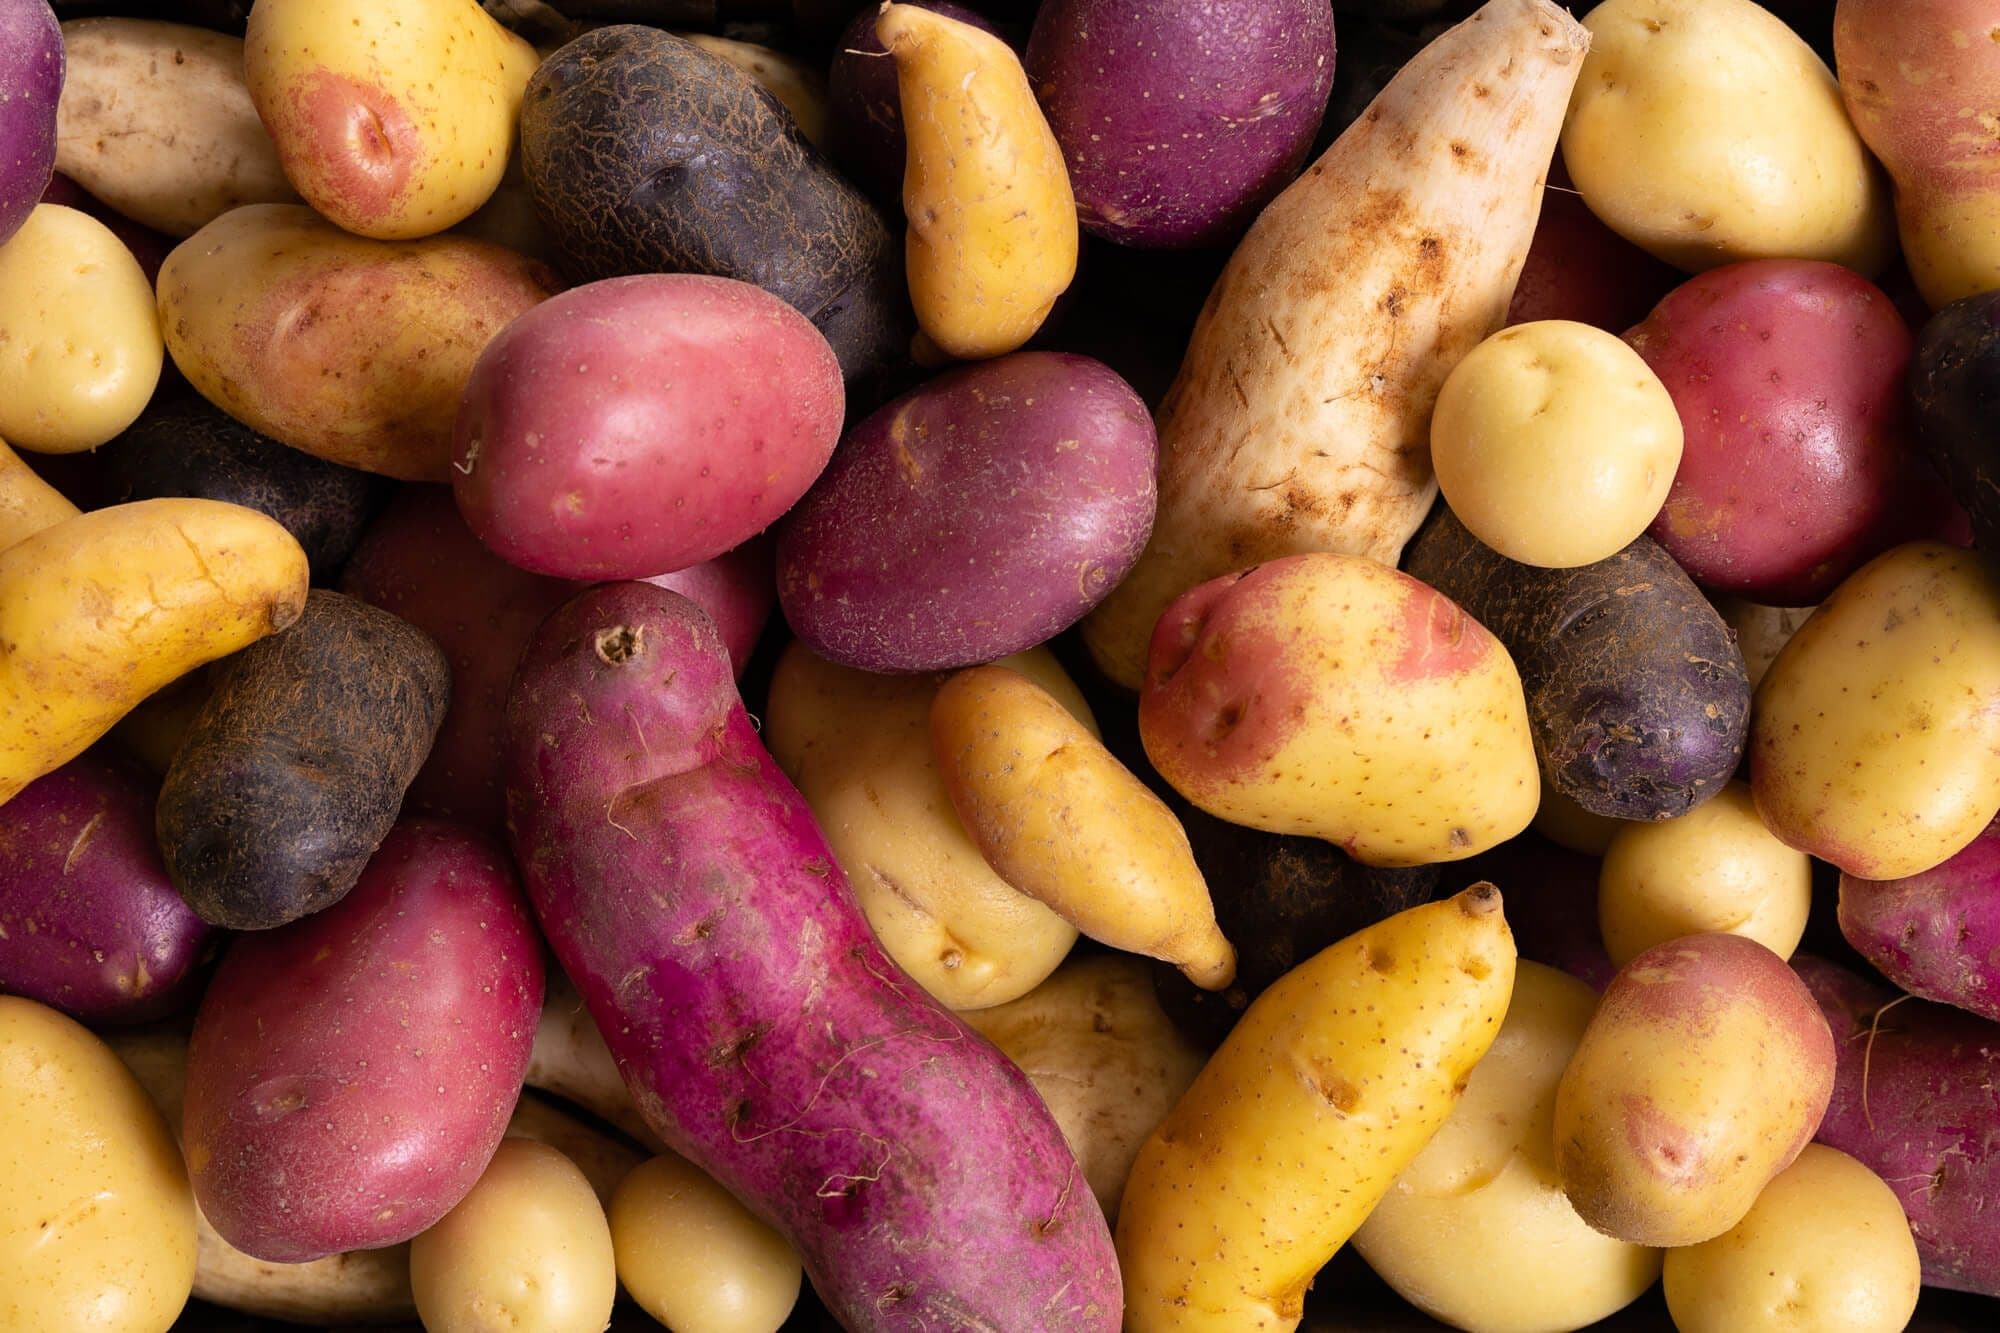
{"x": 1063, "y": 821}
{"x": 102, "y": 609}
{"x": 27, "y": 503}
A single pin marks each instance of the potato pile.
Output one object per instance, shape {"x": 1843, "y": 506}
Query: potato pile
{"x": 999, "y": 666}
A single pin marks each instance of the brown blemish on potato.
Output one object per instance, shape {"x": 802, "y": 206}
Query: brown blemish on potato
{"x": 619, "y": 644}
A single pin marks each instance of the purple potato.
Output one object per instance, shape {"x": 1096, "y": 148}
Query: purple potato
{"x": 31, "y": 80}
{"x": 1935, "y": 934}
{"x": 865, "y": 105}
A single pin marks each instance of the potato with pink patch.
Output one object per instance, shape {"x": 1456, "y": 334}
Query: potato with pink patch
{"x": 1331, "y": 696}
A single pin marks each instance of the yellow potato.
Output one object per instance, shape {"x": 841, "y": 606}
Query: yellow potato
{"x": 694, "y": 1258}
{"x": 1476, "y": 1232}
{"x": 156, "y": 121}
{"x": 1330, "y": 696}
{"x": 96, "y": 1216}
{"x": 1327, "y": 1088}
{"x": 80, "y": 345}
{"x": 1555, "y": 444}
{"x": 1761, "y": 631}
{"x": 993, "y": 232}
{"x": 527, "y": 1250}
{"x": 1105, "y": 1057}
{"x": 1873, "y": 735}
{"x": 394, "y": 121}
{"x": 1715, "y": 868}
{"x": 1825, "y": 1249}
{"x": 858, "y": 746}
{"x": 99, "y": 611}
{"x": 1707, "y": 131}
{"x": 1065, "y": 823}
{"x": 798, "y": 85}
{"x": 1567, "y": 824}
{"x": 27, "y": 503}
{"x": 354, "y": 351}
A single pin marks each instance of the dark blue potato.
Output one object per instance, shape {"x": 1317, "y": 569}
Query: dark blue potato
{"x": 1955, "y": 380}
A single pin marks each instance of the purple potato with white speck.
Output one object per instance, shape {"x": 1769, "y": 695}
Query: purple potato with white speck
{"x": 1937, "y": 933}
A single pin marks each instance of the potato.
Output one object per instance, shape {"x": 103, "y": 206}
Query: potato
{"x": 1566, "y": 824}
{"x": 392, "y": 122}
{"x": 1707, "y": 131}
{"x": 355, "y": 351}
{"x": 80, "y": 348}
{"x": 31, "y": 80}
{"x": 1872, "y": 742}
{"x": 157, "y": 122}
{"x": 978, "y": 515}
{"x": 1826, "y": 1247}
{"x": 102, "y": 609}
{"x": 1761, "y": 631}
{"x": 640, "y": 425}
{"x": 1476, "y": 1231}
{"x": 528, "y": 1249}
{"x": 27, "y": 503}
{"x": 1554, "y": 443}
{"x": 867, "y": 107}
{"x": 1331, "y": 696}
{"x": 1955, "y": 386}
{"x": 1704, "y": 1071}
{"x": 1551, "y": 905}
{"x": 1715, "y": 868}
{"x": 797, "y": 85}
{"x": 993, "y": 232}
{"x": 1103, "y": 1054}
{"x": 1064, "y": 822}
{"x": 1579, "y": 269}
{"x": 96, "y": 1221}
{"x": 695, "y": 1258}
{"x": 1328, "y": 1088}
{"x": 858, "y": 746}
{"x": 149, "y": 247}
{"x": 1935, "y": 934}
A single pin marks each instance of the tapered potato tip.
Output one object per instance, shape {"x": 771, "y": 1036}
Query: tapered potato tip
{"x": 1479, "y": 900}
{"x": 1215, "y": 966}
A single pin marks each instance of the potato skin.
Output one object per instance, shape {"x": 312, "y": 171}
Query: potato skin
{"x": 1704, "y": 1071}
{"x": 867, "y": 107}
{"x": 693, "y": 1257}
{"x": 271, "y": 810}
{"x": 978, "y": 515}
{"x": 647, "y": 154}
{"x": 350, "y": 1076}
{"x": 27, "y": 503}
{"x": 1955, "y": 384}
{"x": 1936, "y": 933}
{"x": 31, "y": 81}
{"x": 1579, "y": 269}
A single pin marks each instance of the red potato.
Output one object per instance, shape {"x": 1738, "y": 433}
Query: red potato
{"x": 1579, "y": 269}
{"x": 640, "y": 425}
{"x": 1937, "y": 933}
{"x": 351, "y": 1074}
{"x": 761, "y": 1029}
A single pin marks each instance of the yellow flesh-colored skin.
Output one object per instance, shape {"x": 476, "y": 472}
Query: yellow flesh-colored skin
{"x": 1063, "y": 821}
{"x": 1875, "y": 734}
{"x": 80, "y": 349}
{"x": 1477, "y": 1231}
{"x": 99, "y": 611}
{"x": 1331, "y": 1083}
{"x": 993, "y": 232}
{"x": 455, "y": 75}
{"x": 858, "y": 746}
{"x": 695, "y": 1258}
{"x": 96, "y": 1215}
{"x": 27, "y": 503}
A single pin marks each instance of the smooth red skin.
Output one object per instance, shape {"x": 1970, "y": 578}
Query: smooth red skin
{"x": 1579, "y": 269}
{"x": 762, "y": 1031}
{"x": 420, "y": 561}
{"x": 149, "y": 247}
{"x": 1551, "y": 896}
{"x": 32, "y": 67}
{"x": 865, "y": 104}
{"x": 1788, "y": 376}
{"x": 351, "y": 1074}
{"x": 85, "y": 902}
{"x": 1916, "y": 1098}
{"x": 1935, "y": 934}
{"x": 640, "y": 425}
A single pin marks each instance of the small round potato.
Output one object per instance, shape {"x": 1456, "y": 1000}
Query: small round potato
{"x": 1567, "y": 824}
{"x": 528, "y": 1250}
{"x": 1825, "y": 1248}
{"x": 1555, "y": 443}
{"x": 80, "y": 347}
{"x": 1715, "y": 868}
{"x": 694, "y": 1258}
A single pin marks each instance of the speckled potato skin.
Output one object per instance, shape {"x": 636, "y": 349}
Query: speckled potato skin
{"x": 1637, "y": 694}
{"x": 1704, "y": 1071}
{"x": 1330, "y": 696}
{"x": 1179, "y": 119}
{"x": 355, "y": 351}
{"x": 978, "y": 515}
{"x": 1873, "y": 740}
{"x": 1329, "y": 1087}
{"x": 646, "y": 154}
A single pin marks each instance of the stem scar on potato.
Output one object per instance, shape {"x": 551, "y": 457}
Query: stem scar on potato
{"x": 619, "y": 644}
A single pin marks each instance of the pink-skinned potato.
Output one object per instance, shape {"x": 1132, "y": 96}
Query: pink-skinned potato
{"x": 1937, "y": 933}
{"x": 639, "y": 425}
{"x": 351, "y": 1074}
{"x": 89, "y": 922}
{"x": 761, "y": 1029}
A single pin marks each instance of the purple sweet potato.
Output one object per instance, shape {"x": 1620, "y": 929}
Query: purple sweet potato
{"x": 31, "y": 80}
{"x": 761, "y": 1029}
{"x": 1937, "y": 933}
{"x": 1916, "y": 1097}
{"x": 89, "y": 921}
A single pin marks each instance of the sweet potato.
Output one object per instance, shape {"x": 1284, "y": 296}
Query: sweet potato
{"x": 1936, "y": 933}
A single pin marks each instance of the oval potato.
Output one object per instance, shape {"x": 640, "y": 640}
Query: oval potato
{"x": 27, "y": 503}
{"x": 695, "y": 1258}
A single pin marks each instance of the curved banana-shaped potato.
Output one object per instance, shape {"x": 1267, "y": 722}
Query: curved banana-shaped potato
{"x": 102, "y": 609}
{"x": 27, "y": 503}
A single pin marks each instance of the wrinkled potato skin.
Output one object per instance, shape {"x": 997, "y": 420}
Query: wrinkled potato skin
{"x": 355, "y": 351}
{"x": 1874, "y": 733}
{"x": 858, "y": 746}
{"x": 801, "y": 88}
{"x": 27, "y": 503}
